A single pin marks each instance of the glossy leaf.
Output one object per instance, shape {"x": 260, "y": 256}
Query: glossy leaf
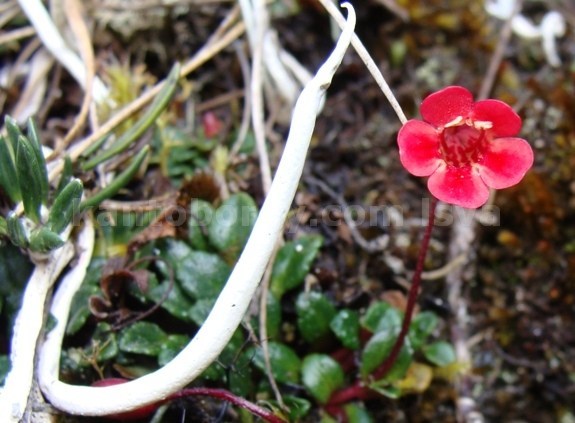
{"x": 356, "y": 413}
{"x": 201, "y": 215}
{"x": 65, "y": 206}
{"x": 321, "y": 375}
{"x": 3, "y": 227}
{"x": 314, "y": 314}
{"x": 8, "y": 176}
{"x": 202, "y": 275}
{"x": 421, "y": 327}
{"x": 298, "y": 408}
{"x": 177, "y": 303}
{"x": 285, "y": 363}
{"x": 440, "y": 353}
{"x": 345, "y": 325}
{"x": 171, "y": 348}
{"x": 373, "y": 315}
{"x": 30, "y": 179}
{"x": 79, "y": 311}
{"x": 376, "y": 351}
{"x": 293, "y": 263}
{"x": 158, "y": 105}
{"x": 232, "y": 224}
{"x": 142, "y": 338}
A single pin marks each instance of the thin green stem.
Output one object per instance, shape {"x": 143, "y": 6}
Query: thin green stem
{"x": 386, "y": 366}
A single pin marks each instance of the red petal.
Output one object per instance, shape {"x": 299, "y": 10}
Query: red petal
{"x": 506, "y": 122}
{"x": 460, "y": 186}
{"x": 445, "y": 105}
{"x": 419, "y": 148}
{"x": 506, "y": 162}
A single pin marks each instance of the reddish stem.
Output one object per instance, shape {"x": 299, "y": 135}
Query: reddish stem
{"x": 386, "y": 366}
{"x": 359, "y": 392}
{"x": 222, "y": 394}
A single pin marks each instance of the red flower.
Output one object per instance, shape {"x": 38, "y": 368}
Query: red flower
{"x": 465, "y": 147}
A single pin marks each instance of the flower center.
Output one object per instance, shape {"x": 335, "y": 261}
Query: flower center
{"x": 463, "y": 142}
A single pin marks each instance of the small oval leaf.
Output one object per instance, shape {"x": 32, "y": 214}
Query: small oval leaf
{"x": 293, "y": 263}
{"x": 440, "y": 353}
{"x": 345, "y": 325}
{"x": 285, "y": 363}
{"x": 321, "y": 375}
{"x": 314, "y": 314}
{"x": 142, "y": 338}
{"x": 232, "y": 224}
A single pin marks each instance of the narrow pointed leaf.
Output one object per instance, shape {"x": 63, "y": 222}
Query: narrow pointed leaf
{"x": 8, "y": 178}
{"x": 159, "y": 104}
{"x": 13, "y": 131}
{"x": 65, "y": 206}
{"x": 121, "y": 180}
{"x": 30, "y": 178}
{"x": 34, "y": 138}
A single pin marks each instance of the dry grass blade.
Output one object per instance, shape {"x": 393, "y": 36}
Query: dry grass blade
{"x": 73, "y": 10}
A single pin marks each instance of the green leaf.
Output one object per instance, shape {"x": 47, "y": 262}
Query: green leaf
{"x": 201, "y": 214}
{"x": 382, "y": 317}
{"x": 15, "y": 269}
{"x": 16, "y": 231}
{"x": 314, "y": 314}
{"x": 373, "y": 315}
{"x": 3, "y": 227}
{"x": 33, "y": 136}
{"x": 376, "y": 351}
{"x": 30, "y": 178}
{"x": 297, "y": 407}
{"x": 13, "y": 131}
{"x": 202, "y": 275}
{"x": 44, "y": 240}
{"x": 232, "y": 224}
{"x": 440, "y": 353}
{"x": 119, "y": 181}
{"x": 293, "y": 263}
{"x": 159, "y": 104}
{"x": 421, "y": 327}
{"x": 345, "y": 325}
{"x": 142, "y": 338}
{"x": 103, "y": 344}
{"x": 4, "y": 368}
{"x": 285, "y": 363}
{"x": 171, "y": 348}
{"x": 200, "y": 310}
{"x": 356, "y": 413}
{"x": 274, "y": 317}
{"x": 8, "y": 176}
{"x": 65, "y": 206}
{"x": 321, "y": 375}
{"x": 79, "y": 310}
{"x": 177, "y": 303}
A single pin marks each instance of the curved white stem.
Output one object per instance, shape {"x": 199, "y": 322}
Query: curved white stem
{"x": 14, "y": 396}
{"x": 234, "y": 299}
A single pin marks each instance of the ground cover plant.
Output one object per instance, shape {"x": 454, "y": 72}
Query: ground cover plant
{"x": 286, "y": 211}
